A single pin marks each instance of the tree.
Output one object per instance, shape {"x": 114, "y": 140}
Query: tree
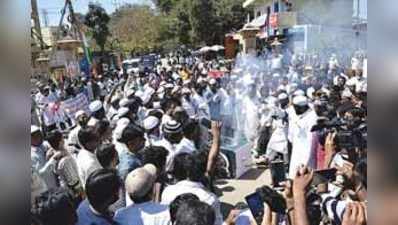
{"x": 137, "y": 27}
{"x": 199, "y": 22}
{"x": 165, "y": 6}
{"x": 203, "y": 22}
{"x": 231, "y": 16}
{"x": 97, "y": 20}
{"x": 182, "y": 22}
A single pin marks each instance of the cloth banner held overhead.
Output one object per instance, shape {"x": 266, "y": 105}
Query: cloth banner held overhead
{"x": 71, "y": 106}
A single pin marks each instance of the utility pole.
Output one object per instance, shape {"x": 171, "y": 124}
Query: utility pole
{"x": 76, "y": 23}
{"x": 36, "y": 29}
{"x": 44, "y": 12}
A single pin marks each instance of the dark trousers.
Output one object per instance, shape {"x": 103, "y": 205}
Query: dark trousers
{"x": 262, "y": 142}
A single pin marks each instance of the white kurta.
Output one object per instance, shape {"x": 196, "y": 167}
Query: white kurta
{"x": 301, "y": 137}
{"x": 252, "y": 120}
{"x": 278, "y": 140}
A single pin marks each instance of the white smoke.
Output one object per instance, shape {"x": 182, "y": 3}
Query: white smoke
{"x": 332, "y": 29}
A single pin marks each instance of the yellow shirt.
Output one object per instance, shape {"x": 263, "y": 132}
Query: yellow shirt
{"x": 184, "y": 75}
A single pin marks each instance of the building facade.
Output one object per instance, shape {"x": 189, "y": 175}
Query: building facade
{"x": 310, "y": 24}
{"x": 49, "y": 35}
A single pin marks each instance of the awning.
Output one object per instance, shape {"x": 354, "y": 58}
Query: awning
{"x": 247, "y": 3}
{"x": 262, "y": 35}
{"x": 259, "y": 21}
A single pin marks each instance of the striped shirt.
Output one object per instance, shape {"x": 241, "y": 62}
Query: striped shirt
{"x": 333, "y": 208}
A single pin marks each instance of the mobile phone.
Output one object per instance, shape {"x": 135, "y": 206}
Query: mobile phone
{"x": 324, "y": 176}
{"x": 206, "y": 123}
{"x": 256, "y": 206}
{"x": 278, "y": 173}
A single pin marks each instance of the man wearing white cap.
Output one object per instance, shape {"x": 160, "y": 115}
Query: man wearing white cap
{"x": 278, "y": 142}
{"x": 81, "y": 121}
{"x": 44, "y": 96}
{"x": 97, "y": 113}
{"x": 173, "y": 135}
{"x": 152, "y": 132}
{"x": 139, "y": 186}
{"x": 300, "y": 135}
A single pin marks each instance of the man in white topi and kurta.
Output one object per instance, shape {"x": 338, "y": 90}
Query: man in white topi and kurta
{"x": 300, "y": 135}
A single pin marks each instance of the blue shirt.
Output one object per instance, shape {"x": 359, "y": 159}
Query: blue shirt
{"x": 127, "y": 162}
{"x": 87, "y": 217}
{"x": 214, "y": 101}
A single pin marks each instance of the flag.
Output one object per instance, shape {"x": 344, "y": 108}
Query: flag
{"x": 87, "y": 52}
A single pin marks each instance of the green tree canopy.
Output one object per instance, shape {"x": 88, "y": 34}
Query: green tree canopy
{"x": 97, "y": 21}
{"x": 137, "y": 27}
{"x": 176, "y": 22}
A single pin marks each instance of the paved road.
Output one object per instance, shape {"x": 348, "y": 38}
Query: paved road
{"x": 234, "y": 191}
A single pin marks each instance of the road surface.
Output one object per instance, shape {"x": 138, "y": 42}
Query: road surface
{"x": 233, "y": 191}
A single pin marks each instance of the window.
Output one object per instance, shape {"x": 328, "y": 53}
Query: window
{"x": 276, "y": 7}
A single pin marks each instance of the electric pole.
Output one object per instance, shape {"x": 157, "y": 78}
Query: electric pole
{"x": 35, "y": 26}
{"x": 44, "y": 12}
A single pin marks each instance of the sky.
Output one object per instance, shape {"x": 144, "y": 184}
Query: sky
{"x": 54, "y": 7}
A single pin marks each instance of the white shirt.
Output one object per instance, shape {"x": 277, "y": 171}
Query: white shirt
{"x": 148, "y": 213}
{"x": 151, "y": 138}
{"x": 87, "y": 163}
{"x": 252, "y": 120}
{"x": 73, "y": 136}
{"x": 202, "y": 106}
{"x": 172, "y": 152}
{"x": 42, "y": 100}
{"x": 189, "y": 107}
{"x": 173, "y": 191}
{"x": 278, "y": 141}
{"x": 185, "y": 146}
{"x": 276, "y": 62}
{"x": 300, "y": 132}
{"x": 111, "y": 113}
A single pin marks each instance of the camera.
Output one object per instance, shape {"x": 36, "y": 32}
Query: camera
{"x": 266, "y": 194}
{"x": 349, "y": 134}
{"x": 277, "y": 203}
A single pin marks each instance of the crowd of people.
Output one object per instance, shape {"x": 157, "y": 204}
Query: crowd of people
{"x": 145, "y": 147}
